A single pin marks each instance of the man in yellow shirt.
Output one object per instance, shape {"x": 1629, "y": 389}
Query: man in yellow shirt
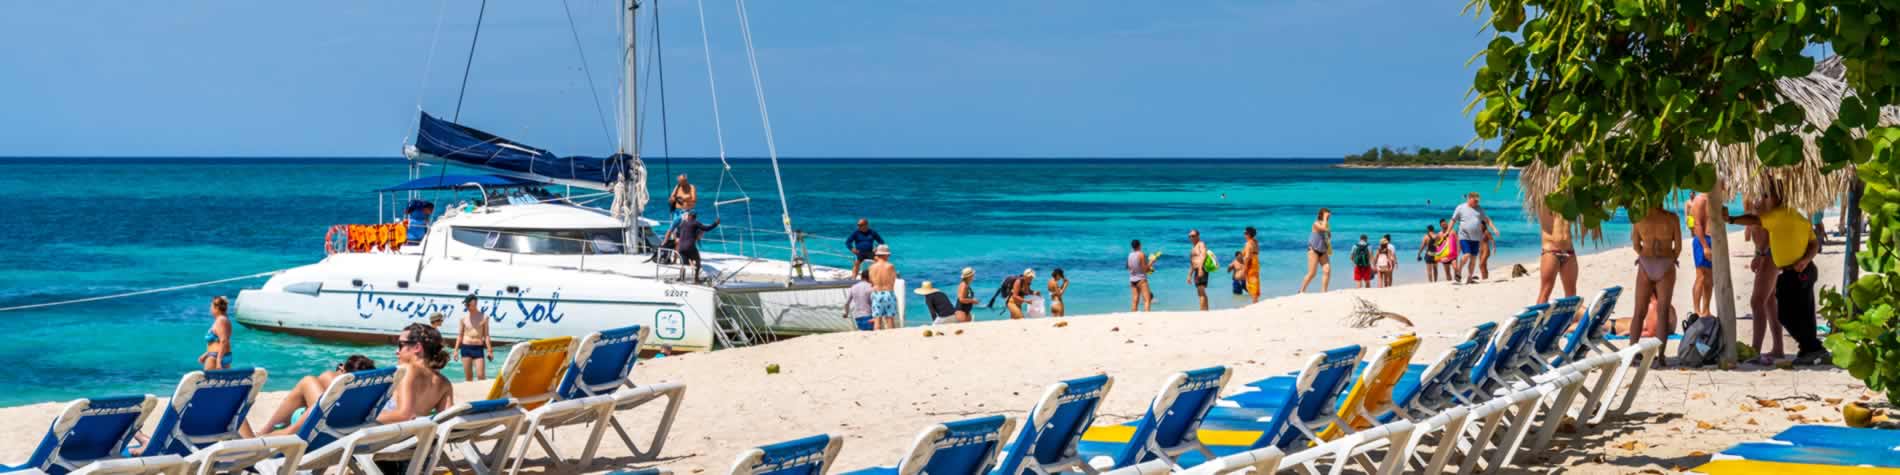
{"x": 1793, "y": 245}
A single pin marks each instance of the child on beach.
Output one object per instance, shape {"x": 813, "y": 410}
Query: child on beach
{"x": 1233, "y": 272}
{"x": 1362, "y": 264}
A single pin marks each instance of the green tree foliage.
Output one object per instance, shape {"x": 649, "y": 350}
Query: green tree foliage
{"x": 1625, "y": 92}
{"x": 1423, "y": 156}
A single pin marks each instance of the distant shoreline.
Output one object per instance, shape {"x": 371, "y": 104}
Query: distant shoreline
{"x": 1419, "y": 167}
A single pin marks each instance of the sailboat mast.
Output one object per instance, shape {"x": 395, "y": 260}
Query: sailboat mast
{"x": 629, "y": 130}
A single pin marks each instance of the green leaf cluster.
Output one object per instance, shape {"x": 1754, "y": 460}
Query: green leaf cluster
{"x": 1623, "y": 93}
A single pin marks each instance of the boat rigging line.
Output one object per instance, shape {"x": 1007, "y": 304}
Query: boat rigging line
{"x": 588, "y": 72}
{"x": 719, "y": 132}
{"x": 136, "y": 293}
{"x": 771, "y": 146}
{"x": 470, "y": 64}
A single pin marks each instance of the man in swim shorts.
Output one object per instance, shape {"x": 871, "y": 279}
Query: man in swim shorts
{"x": 1471, "y": 224}
{"x": 1197, "y": 265}
{"x": 1699, "y": 219}
{"x": 473, "y": 341}
{"x": 683, "y": 198}
{"x": 883, "y": 289}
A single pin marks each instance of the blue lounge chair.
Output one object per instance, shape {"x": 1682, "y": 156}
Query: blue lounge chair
{"x": 1776, "y": 451}
{"x": 1263, "y": 460}
{"x": 1486, "y": 379}
{"x": 341, "y": 428}
{"x": 1545, "y": 341}
{"x": 808, "y": 456}
{"x": 1843, "y": 437}
{"x": 87, "y": 430}
{"x": 1290, "y": 410}
{"x": 207, "y": 408}
{"x": 1587, "y": 336}
{"x": 1752, "y": 467}
{"x": 1169, "y": 429}
{"x": 602, "y": 362}
{"x": 154, "y": 465}
{"x": 1046, "y": 443}
{"x": 965, "y": 447}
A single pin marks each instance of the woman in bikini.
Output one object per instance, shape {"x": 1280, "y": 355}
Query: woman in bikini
{"x": 1319, "y": 252}
{"x": 218, "y": 339}
{"x": 1428, "y": 253}
{"x": 423, "y": 390}
{"x": 1559, "y": 258}
{"x": 1019, "y": 294}
{"x": 1658, "y": 243}
{"x": 1762, "y": 300}
{"x": 1058, "y": 285}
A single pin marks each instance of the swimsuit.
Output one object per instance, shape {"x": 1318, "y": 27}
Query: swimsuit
{"x": 1317, "y": 242}
{"x": 1655, "y": 267}
{"x": 474, "y": 351}
{"x": 224, "y": 361}
{"x": 966, "y": 294}
{"x": 883, "y": 303}
{"x": 1563, "y": 257}
{"x": 1701, "y": 259}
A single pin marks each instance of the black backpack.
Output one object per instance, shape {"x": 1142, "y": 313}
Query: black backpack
{"x": 1003, "y": 291}
{"x": 1701, "y": 342}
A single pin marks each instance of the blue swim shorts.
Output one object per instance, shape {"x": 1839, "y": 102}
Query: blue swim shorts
{"x": 883, "y": 303}
{"x": 1468, "y": 248}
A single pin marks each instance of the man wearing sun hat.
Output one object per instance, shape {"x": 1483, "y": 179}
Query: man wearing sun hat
{"x": 884, "y": 289}
{"x": 941, "y": 310}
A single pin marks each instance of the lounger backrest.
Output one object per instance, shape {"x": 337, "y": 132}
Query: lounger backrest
{"x": 532, "y": 371}
{"x": 1372, "y": 391}
{"x": 1435, "y": 384}
{"x": 1590, "y": 328}
{"x": 89, "y": 430}
{"x": 1175, "y": 414}
{"x": 1561, "y": 314}
{"x": 965, "y": 447}
{"x": 602, "y": 361}
{"x": 1052, "y": 429}
{"x": 207, "y": 408}
{"x": 351, "y": 403}
{"x": 807, "y": 456}
{"x": 1505, "y": 345}
{"x": 1317, "y": 394}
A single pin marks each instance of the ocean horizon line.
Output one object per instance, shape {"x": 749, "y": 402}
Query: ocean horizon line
{"x": 653, "y": 160}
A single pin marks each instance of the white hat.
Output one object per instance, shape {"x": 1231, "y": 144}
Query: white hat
{"x": 883, "y": 250}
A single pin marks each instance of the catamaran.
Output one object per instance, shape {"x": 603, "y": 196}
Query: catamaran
{"x": 545, "y": 265}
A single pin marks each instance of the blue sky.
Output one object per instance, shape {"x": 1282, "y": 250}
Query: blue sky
{"x": 843, "y": 78}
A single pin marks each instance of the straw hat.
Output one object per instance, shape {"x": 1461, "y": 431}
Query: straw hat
{"x": 968, "y": 272}
{"x": 926, "y": 289}
{"x": 883, "y": 250}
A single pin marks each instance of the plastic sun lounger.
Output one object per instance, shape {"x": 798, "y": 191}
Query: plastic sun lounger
{"x": 341, "y": 428}
{"x": 1263, "y": 460}
{"x": 460, "y": 429}
{"x": 1046, "y": 442}
{"x": 1546, "y": 342}
{"x": 965, "y": 447}
{"x": 240, "y": 455}
{"x": 532, "y": 370}
{"x": 87, "y": 430}
{"x": 1585, "y": 338}
{"x": 808, "y": 456}
{"x": 207, "y": 408}
{"x": 1632, "y": 363}
{"x": 1754, "y": 467}
{"x": 1428, "y": 405}
{"x": 1777, "y": 451}
{"x": 1367, "y": 400}
{"x": 602, "y": 362}
{"x": 1170, "y": 428}
{"x": 154, "y": 465}
{"x": 1838, "y": 436}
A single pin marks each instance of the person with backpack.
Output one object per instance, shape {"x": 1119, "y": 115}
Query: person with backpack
{"x": 1362, "y": 264}
{"x": 1200, "y": 265}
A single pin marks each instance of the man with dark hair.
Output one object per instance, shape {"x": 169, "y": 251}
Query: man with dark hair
{"x": 861, "y": 243}
{"x": 686, "y": 236}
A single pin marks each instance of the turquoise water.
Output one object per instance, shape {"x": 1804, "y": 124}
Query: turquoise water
{"x": 84, "y": 227}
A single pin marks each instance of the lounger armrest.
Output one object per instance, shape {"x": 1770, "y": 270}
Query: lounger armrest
{"x": 165, "y": 464}
{"x": 241, "y": 454}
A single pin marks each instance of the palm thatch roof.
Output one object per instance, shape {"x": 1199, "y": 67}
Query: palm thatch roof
{"x": 1804, "y": 186}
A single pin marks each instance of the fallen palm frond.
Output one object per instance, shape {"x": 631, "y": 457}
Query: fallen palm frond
{"x": 1365, "y": 314}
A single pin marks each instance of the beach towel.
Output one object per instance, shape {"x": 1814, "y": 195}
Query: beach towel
{"x": 1447, "y": 250}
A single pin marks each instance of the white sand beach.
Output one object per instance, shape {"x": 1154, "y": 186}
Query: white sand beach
{"x": 878, "y": 389}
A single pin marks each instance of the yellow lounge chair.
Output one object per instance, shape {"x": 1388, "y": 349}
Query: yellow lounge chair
{"x": 1371, "y": 395}
{"x": 532, "y": 371}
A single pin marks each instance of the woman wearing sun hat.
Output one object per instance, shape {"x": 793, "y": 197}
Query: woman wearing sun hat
{"x": 966, "y": 295}
{"x": 941, "y": 310}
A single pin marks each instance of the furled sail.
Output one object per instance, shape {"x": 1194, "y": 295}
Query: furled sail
{"x": 457, "y": 144}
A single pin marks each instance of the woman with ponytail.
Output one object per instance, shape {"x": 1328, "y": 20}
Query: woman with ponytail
{"x": 422, "y": 391}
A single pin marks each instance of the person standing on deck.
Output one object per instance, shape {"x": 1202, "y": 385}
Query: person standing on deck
{"x": 857, "y": 302}
{"x": 416, "y": 224}
{"x": 1138, "y": 278}
{"x": 473, "y": 341}
{"x": 686, "y": 236}
{"x": 1700, "y": 220}
{"x": 1197, "y": 265}
{"x": 1319, "y": 252}
{"x": 1559, "y": 257}
{"x": 1250, "y": 255}
{"x": 1657, "y": 240}
{"x": 1471, "y": 225}
{"x": 883, "y": 289}
{"x": 1793, "y": 245}
{"x": 861, "y": 243}
{"x": 683, "y": 199}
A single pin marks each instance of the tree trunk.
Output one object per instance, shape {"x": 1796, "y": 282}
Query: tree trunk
{"x": 1850, "y": 267}
{"x": 1724, "y": 288}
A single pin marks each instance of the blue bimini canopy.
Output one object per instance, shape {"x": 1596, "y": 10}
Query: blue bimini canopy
{"x": 463, "y": 145}
{"x": 449, "y": 182}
